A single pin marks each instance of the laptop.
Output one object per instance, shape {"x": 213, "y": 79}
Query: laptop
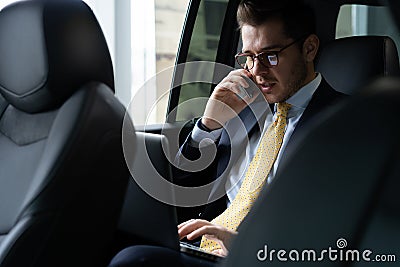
{"x": 144, "y": 217}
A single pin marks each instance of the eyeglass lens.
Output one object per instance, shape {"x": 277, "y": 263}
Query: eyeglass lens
{"x": 247, "y": 61}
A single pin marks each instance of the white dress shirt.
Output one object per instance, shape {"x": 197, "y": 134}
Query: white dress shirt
{"x": 299, "y": 102}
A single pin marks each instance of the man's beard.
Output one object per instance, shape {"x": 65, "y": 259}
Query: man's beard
{"x": 298, "y": 78}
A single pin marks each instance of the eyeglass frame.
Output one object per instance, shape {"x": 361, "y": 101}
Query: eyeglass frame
{"x": 272, "y": 53}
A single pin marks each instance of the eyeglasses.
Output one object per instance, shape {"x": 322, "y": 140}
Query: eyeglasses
{"x": 268, "y": 59}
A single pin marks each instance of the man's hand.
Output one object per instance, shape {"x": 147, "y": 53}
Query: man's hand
{"x": 224, "y": 103}
{"x": 194, "y": 228}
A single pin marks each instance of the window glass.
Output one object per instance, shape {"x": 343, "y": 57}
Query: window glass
{"x": 156, "y": 27}
{"x": 355, "y": 20}
{"x": 143, "y": 37}
{"x": 203, "y": 47}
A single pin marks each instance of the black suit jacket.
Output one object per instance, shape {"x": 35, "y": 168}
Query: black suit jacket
{"x": 323, "y": 97}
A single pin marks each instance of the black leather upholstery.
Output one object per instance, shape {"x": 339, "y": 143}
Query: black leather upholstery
{"x": 59, "y": 43}
{"x": 62, "y": 169}
{"x": 341, "y": 185}
{"x": 350, "y": 63}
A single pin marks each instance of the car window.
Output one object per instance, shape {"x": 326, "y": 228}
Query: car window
{"x": 356, "y": 20}
{"x": 203, "y": 47}
{"x": 143, "y": 38}
{"x": 155, "y": 36}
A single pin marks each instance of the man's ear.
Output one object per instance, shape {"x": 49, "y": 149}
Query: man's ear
{"x": 310, "y": 47}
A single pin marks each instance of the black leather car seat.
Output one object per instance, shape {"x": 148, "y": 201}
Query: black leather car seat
{"x": 350, "y": 63}
{"x": 62, "y": 170}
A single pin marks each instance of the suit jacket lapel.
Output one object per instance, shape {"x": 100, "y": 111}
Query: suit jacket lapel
{"x": 323, "y": 97}
{"x": 245, "y": 118}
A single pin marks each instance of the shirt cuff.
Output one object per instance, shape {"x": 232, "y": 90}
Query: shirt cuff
{"x": 199, "y": 135}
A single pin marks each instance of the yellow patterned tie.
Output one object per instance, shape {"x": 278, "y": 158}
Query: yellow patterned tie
{"x": 255, "y": 177}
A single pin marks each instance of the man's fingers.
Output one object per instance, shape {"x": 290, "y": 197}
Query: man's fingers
{"x": 235, "y": 80}
{"x": 224, "y": 87}
{"x": 184, "y": 223}
{"x": 220, "y": 252}
{"x": 238, "y": 79}
{"x": 205, "y": 230}
{"x": 190, "y": 226}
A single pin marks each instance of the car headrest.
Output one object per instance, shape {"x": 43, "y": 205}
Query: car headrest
{"x": 350, "y": 63}
{"x": 48, "y": 50}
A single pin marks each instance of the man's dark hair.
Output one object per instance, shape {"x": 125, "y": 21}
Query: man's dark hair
{"x": 297, "y": 17}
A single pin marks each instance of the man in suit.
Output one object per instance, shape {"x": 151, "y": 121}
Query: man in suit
{"x": 278, "y": 53}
